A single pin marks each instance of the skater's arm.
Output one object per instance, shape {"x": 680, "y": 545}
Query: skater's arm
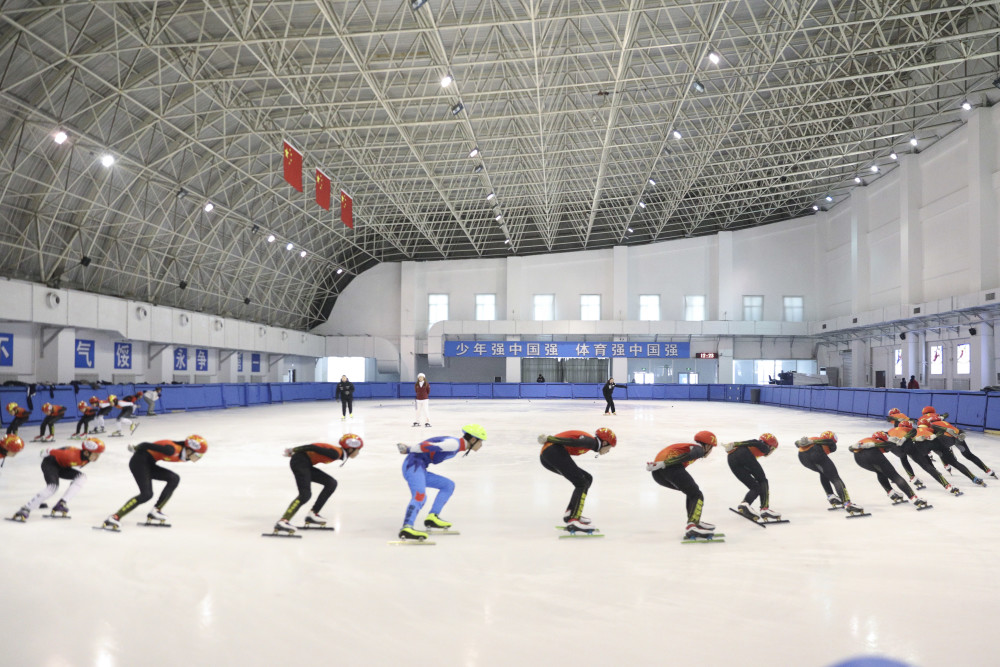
{"x": 166, "y": 450}
{"x": 326, "y": 451}
{"x": 581, "y": 441}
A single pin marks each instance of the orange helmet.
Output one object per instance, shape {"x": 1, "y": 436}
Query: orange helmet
{"x": 706, "y": 438}
{"x": 928, "y": 410}
{"x": 47, "y": 408}
{"x": 196, "y": 444}
{"x": 881, "y": 436}
{"x": 606, "y": 436}
{"x": 94, "y": 400}
{"x": 351, "y": 441}
{"x": 768, "y": 438}
{"x": 905, "y": 424}
{"x": 11, "y": 445}
{"x": 828, "y": 435}
{"x": 93, "y": 445}
{"x": 894, "y": 411}
{"x": 81, "y": 406}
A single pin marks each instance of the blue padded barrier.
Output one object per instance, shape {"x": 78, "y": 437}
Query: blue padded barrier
{"x": 918, "y": 399}
{"x": 593, "y": 391}
{"x": 831, "y": 400}
{"x": 485, "y": 390}
{"x": 945, "y": 402}
{"x": 876, "y": 403}
{"x": 971, "y": 412}
{"x": 716, "y": 392}
{"x": 896, "y": 398}
{"x": 407, "y": 390}
{"x": 234, "y": 395}
{"x": 465, "y": 390}
{"x": 382, "y": 390}
{"x": 276, "y": 393}
{"x": 845, "y": 402}
{"x": 511, "y": 390}
{"x": 698, "y": 392}
{"x": 860, "y": 404}
{"x": 258, "y": 394}
{"x": 676, "y": 392}
{"x": 992, "y": 411}
{"x": 639, "y": 391}
{"x": 537, "y": 390}
{"x": 558, "y": 390}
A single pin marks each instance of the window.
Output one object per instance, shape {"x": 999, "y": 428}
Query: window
{"x": 753, "y": 308}
{"x": 694, "y": 308}
{"x": 486, "y": 306}
{"x": 545, "y": 307}
{"x": 649, "y": 307}
{"x": 590, "y": 306}
{"x": 937, "y": 359}
{"x": 898, "y": 367}
{"x": 794, "y": 309}
{"x": 437, "y": 308}
{"x": 962, "y": 354}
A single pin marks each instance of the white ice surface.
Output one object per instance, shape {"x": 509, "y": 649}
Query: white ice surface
{"x": 918, "y": 587}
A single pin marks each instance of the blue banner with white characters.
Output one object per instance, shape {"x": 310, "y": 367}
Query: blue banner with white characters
{"x": 123, "y": 356}
{"x": 564, "y": 350}
{"x": 84, "y": 353}
{"x": 239, "y": 362}
{"x": 6, "y": 349}
{"x": 201, "y": 360}
{"x": 255, "y": 363}
{"x": 180, "y": 359}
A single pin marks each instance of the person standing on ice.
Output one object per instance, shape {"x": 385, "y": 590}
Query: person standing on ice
{"x": 608, "y": 390}
{"x": 345, "y": 392}
{"x": 557, "y": 456}
{"x": 669, "y": 469}
{"x": 418, "y": 478}
{"x": 144, "y": 469}
{"x": 303, "y": 465}
{"x": 742, "y": 458}
{"x": 422, "y": 402}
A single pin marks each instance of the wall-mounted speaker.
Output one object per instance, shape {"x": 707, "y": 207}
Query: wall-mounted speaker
{"x": 902, "y": 336}
{"x": 972, "y": 331}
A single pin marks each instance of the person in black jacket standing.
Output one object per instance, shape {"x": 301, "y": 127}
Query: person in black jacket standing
{"x": 345, "y": 392}
{"x": 608, "y": 390}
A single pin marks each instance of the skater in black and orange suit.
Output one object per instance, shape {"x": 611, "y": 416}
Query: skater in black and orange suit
{"x": 87, "y": 414}
{"x": 869, "y": 453}
{"x": 20, "y": 416}
{"x": 557, "y": 456}
{"x": 63, "y": 463}
{"x": 144, "y": 469}
{"x": 814, "y": 453}
{"x": 949, "y": 435}
{"x": 303, "y": 465}
{"x": 669, "y": 470}
{"x": 53, "y": 413}
{"x": 742, "y": 458}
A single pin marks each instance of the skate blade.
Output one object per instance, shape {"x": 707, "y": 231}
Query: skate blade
{"x": 578, "y": 535}
{"x": 8, "y": 518}
{"x": 56, "y": 516}
{"x": 281, "y": 534}
{"x": 900, "y": 502}
{"x": 411, "y": 543}
{"x": 441, "y": 531}
{"x": 153, "y": 524}
{"x": 704, "y": 540}
{"x": 748, "y": 518}
{"x": 107, "y": 529}
{"x": 834, "y": 509}
{"x": 858, "y": 515}
{"x": 768, "y": 522}
{"x": 925, "y": 507}
{"x": 313, "y": 527}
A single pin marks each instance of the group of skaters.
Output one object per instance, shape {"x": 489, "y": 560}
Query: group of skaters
{"x": 93, "y": 410}
{"x": 919, "y": 440}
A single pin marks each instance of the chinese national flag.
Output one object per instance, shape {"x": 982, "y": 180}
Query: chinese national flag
{"x": 293, "y": 167}
{"x": 346, "y": 214}
{"x": 322, "y": 189}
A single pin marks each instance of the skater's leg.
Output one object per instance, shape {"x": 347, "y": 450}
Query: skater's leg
{"x": 329, "y": 486}
{"x": 50, "y": 471}
{"x": 677, "y": 477}
{"x": 415, "y": 475}
{"x": 558, "y": 460}
{"x": 141, "y": 465}
{"x": 171, "y": 478}
{"x": 78, "y": 480}
{"x": 445, "y": 488}
{"x": 302, "y": 470}
{"x": 967, "y": 453}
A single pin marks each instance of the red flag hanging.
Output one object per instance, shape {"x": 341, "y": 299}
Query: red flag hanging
{"x": 346, "y": 214}
{"x": 322, "y": 189}
{"x": 293, "y": 167}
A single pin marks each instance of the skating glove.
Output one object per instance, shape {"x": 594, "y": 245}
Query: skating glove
{"x": 44, "y": 453}
{"x": 403, "y": 448}
{"x": 803, "y": 441}
{"x": 655, "y": 465}
{"x": 542, "y": 439}
{"x": 131, "y": 448}
{"x": 288, "y": 451}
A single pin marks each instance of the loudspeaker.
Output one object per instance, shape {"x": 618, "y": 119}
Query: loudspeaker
{"x": 972, "y": 331}
{"x": 902, "y": 336}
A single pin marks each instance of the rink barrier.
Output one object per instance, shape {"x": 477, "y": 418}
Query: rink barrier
{"x": 969, "y": 410}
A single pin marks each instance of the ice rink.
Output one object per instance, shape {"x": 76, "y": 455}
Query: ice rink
{"x": 919, "y": 587}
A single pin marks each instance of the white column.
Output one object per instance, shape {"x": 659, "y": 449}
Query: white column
{"x": 912, "y": 358}
{"x": 408, "y": 321}
{"x": 57, "y": 361}
{"x": 619, "y": 288}
{"x": 910, "y": 237}
{"x": 982, "y": 220}
{"x": 987, "y": 363}
{"x": 725, "y": 360}
{"x": 726, "y": 302}
{"x": 860, "y": 253}
{"x": 518, "y": 307}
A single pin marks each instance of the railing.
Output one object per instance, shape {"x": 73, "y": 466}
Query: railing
{"x": 970, "y": 410}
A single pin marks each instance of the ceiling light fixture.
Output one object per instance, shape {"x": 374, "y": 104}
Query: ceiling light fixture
{"x": 642, "y": 204}
{"x": 857, "y": 179}
{"x": 893, "y": 155}
{"x": 209, "y": 206}
{"x": 499, "y": 215}
{"x": 474, "y": 152}
{"x": 507, "y": 242}
{"x": 457, "y": 109}
{"x": 247, "y": 301}
{"x": 815, "y": 207}
{"x": 107, "y": 160}
{"x": 874, "y": 168}
{"x": 417, "y": 4}
{"x": 491, "y": 196}
{"x": 85, "y": 261}
{"x": 339, "y": 271}
{"x": 629, "y": 229}
{"x": 698, "y": 86}
{"x": 714, "y": 57}
{"x": 302, "y": 254}
{"x": 477, "y": 169}
{"x": 446, "y": 80}
{"x": 996, "y": 82}
{"x": 270, "y": 238}
{"x": 829, "y": 198}
{"x": 652, "y": 182}
{"x": 60, "y": 137}
{"x": 289, "y": 246}
{"x": 182, "y": 284}
{"x": 965, "y": 105}
{"x": 913, "y": 141}
{"x": 676, "y": 134}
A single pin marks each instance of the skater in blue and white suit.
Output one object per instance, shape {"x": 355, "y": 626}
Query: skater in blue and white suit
{"x": 418, "y": 457}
